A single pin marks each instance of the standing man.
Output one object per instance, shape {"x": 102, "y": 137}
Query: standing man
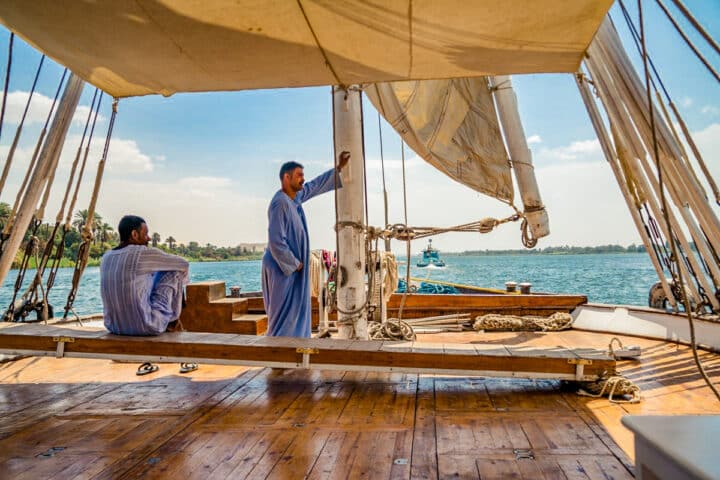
{"x": 285, "y": 276}
{"x": 141, "y": 286}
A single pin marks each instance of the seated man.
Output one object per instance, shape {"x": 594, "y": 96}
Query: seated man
{"x": 141, "y": 286}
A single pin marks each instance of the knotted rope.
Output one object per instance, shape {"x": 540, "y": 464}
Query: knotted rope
{"x": 611, "y": 384}
{"x": 393, "y": 329}
{"x": 496, "y": 322}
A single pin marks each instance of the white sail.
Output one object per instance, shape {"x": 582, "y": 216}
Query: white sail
{"x": 141, "y": 47}
{"x": 453, "y": 125}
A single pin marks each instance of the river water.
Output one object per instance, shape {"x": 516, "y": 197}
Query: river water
{"x": 623, "y": 278}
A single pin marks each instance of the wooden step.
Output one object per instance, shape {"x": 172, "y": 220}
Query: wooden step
{"x": 256, "y": 305}
{"x": 204, "y": 292}
{"x": 233, "y": 304}
{"x": 250, "y": 324}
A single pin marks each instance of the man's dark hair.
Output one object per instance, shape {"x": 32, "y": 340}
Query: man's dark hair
{"x": 127, "y": 224}
{"x": 288, "y": 167}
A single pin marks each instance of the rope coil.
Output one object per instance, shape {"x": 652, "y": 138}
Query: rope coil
{"x": 496, "y": 322}
{"x": 611, "y": 384}
{"x": 393, "y": 329}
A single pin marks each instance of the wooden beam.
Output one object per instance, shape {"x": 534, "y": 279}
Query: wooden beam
{"x": 218, "y": 348}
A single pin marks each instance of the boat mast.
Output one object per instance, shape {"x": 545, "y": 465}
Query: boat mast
{"x": 44, "y": 170}
{"x": 350, "y": 284}
{"x": 520, "y": 156}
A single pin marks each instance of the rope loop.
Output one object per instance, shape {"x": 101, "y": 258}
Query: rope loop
{"x": 393, "y": 329}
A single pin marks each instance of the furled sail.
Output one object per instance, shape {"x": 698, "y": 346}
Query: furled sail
{"x": 141, "y": 47}
{"x": 453, "y": 125}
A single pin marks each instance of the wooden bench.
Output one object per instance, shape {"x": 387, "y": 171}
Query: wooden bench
{"x": 488, "y": 360}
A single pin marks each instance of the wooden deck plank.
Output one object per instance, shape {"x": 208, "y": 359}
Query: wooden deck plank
{"x": 261, "y": 424}
{"x": 424, "y": 462}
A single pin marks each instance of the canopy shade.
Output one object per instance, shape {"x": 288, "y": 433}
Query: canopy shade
{"x": 141, "y": 47}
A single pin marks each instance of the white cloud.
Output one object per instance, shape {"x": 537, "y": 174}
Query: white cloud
{"x": 38, "y": 110}
{"x": 534, "y": 139}
{"x": 202, "y": 209}
{"x": 125, "y": 156}
{"x": 686, "y": 102}
{"x": 203, "y": 187}
{"x": 710, "y": 110}
{"x": 583, "y": 200}
{"x": 584, "y": 150}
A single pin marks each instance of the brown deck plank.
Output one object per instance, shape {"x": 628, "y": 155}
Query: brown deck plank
{"x": 424, "y": 462}
{"x": 245, "y": 428}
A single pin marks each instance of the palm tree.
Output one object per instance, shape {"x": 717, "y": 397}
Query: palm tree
{"x": 105, "y": 232}
{"x": 80, "y": 219}
{"x": 156, "y": 238}
{"x": 4, "y": 214}
{"x": 171, "y": 242}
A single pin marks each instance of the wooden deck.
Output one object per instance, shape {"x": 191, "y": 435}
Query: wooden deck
{"x": 79, "y": 418}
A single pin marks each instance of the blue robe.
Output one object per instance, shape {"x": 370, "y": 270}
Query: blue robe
{"x": 286, "y": 291}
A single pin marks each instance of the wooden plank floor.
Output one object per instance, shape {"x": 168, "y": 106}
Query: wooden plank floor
{"x": 80, "y": 418}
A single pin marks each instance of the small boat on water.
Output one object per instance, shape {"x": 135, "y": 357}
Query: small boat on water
{"x": 430, "y": 257}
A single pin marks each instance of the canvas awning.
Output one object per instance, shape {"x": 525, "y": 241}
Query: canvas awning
{"x": 140, "y": 47}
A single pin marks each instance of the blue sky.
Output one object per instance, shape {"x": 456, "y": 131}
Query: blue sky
{"x": 204, "y": 166}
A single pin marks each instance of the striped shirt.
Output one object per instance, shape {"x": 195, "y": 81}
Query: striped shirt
{"x": 128, "y": 277}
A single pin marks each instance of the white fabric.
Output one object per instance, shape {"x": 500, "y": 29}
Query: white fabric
{"x": 453, "y": 125}
{"x": 140, "y": 47}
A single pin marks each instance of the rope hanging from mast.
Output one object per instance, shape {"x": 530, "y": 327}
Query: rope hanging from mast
{"x": 87, "y": 234}
{"x": 673, "y": 247}
{"x": 60, "y": 245}
{"x": 30, "y": 300}
{"x": 683, "y": 126}
{"x": 13, "y": 147}
{"x": 689, "y": 42}
{"x": 31, "y": 167}
{"x": 7, "y": 82}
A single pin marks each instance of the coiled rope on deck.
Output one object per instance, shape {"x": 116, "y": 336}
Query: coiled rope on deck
{"x": 392, "y": 329}
{"x": 611, "y": 384}
{"x": 496, "y": 322}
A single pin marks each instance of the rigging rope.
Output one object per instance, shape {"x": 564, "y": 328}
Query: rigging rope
{"x": 87, "y": 234}
{"x": 688, "y": 41}
{"x": 7, "y": 81}
{"x": 382, "y": 169}
{"x": 407, "y": 240}
{"x": 33, "y": 161}
{"x": 60, "y": 248}
{"x": 13, "y": 146}
{"x": 683, "y": 126}
{"x": 697, "y": 25}
{"x": 320, "y": 47}
{"x": 673, "y": 247}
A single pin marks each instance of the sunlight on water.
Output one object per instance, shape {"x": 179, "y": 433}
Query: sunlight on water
{"x": 604, "y": 278}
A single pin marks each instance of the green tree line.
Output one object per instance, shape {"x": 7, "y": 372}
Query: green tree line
{"x": 561, "y": 250}
{"x": 105, "y": 237}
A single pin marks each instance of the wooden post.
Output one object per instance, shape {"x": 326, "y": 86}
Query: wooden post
{"x": 45, "y": 168}
{"x": 351, "y": 296}
{"x": 520, "y": 156}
